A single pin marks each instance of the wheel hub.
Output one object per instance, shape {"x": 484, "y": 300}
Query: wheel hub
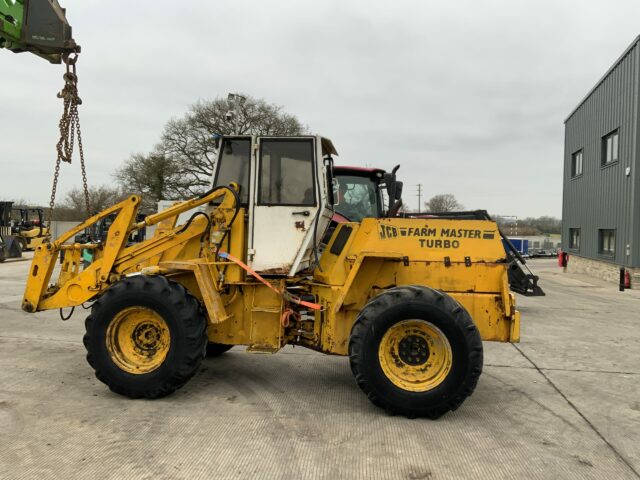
{"x": 138, "y": 340}
{"x": 146, "y": 336}
{"x": 415, "y": 355}
{"x": 413, "y": 350}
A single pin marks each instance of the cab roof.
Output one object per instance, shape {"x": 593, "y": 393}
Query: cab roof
{"x": 327, "y": 145}
{"x": 345, "y": 169}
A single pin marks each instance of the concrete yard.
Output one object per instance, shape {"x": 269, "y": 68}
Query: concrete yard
{"x": 564, "y": 403}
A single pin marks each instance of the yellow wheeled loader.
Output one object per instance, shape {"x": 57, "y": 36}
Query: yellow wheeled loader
{"x": 408, "y": 300}
{"x": 23, "y": 228}
{"x": 29, "y": 227}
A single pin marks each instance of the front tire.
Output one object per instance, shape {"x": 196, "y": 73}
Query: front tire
{"x": 145, "y": 337}
{"x": 415, "y": 351}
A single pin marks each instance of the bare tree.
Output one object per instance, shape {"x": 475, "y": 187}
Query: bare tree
{"x": 65, "y": 214}
{"x": 154, "y": 176}
{"x": 188, "y": 146}
{"x": 100, "y": 197}
{"x": 444, "y": 202}
{"x": 531, "y": 226}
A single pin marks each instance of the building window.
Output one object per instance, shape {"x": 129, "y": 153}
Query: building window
{"x": 610, "y": 148}
{"x": 607, "y": 241}
{"x": 576, "y": 164}
{"x": 574, "y": 238}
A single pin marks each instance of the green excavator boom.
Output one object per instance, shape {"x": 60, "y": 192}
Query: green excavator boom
{"x": 36, "y": 26}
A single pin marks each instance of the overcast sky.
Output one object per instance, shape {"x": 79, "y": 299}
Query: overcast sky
{"x": 468, "y": 96}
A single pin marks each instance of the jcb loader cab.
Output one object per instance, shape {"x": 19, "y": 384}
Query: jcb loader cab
{"x": 408, "y": 300}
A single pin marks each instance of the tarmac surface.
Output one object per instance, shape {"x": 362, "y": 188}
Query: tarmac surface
{"x": 564, "y": 403}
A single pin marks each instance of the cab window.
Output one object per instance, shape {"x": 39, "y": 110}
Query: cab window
{"x": 286, "y": 172}
{"x": 234, "y": 165}
{"x": 357, "y": 198}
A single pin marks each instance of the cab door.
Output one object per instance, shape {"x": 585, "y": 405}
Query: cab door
{"x": 286, "y": 203}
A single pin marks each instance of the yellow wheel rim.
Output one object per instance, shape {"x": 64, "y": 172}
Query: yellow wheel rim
{"x": 138, "y": 340}
{"x": 415, "y": 355}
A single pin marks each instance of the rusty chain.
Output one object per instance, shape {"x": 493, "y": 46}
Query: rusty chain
{"x": 69, "y": 126}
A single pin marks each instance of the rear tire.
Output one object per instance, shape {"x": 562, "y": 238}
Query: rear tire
{"x": 415, "y": 351}
{"x": 145, "y": 337}
{"x": 217, "y": 349}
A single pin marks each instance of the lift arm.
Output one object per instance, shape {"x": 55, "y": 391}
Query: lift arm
{"x": 36, "y": 26}
{"x": 113, "y": 258}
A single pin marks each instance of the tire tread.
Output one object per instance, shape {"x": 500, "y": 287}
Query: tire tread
{"x": 191, "y": 315}
{"x": 417, "y": 294}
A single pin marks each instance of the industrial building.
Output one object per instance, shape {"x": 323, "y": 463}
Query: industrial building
{"x": 601, "y": 200}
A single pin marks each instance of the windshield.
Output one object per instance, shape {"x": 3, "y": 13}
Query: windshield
{"x": 357, "y": 197}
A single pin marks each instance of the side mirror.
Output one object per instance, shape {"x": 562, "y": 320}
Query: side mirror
{"x": 398, "y": 195}
{"x": 332, "y": 182}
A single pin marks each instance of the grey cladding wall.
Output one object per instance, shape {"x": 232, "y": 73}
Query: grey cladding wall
{"x": 604, "y": 197}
